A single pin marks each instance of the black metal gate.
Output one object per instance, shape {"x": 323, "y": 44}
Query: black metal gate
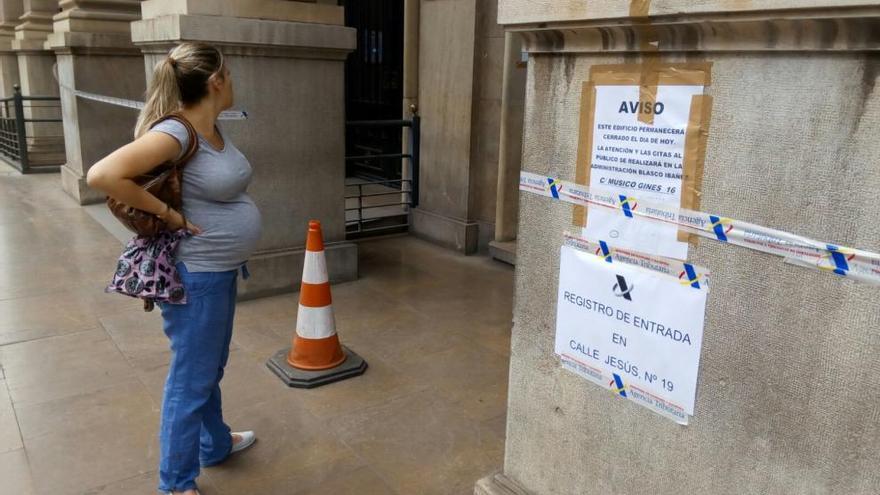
{"x": 374, "y": 87}
{"x": 14, "y": 127}
{"x": 381, "y": 206}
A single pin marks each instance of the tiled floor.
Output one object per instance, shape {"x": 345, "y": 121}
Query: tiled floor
{"x": 81, "y": 372}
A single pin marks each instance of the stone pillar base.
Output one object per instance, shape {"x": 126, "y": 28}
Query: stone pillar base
{"x": 46, "y": 151}
{"x": 498, "y": 484}
{"x": 281, "y": 272}
{"x": 503, "y": 251}
{"x": 448, "y": 232}
{"x": 75, "y": 185}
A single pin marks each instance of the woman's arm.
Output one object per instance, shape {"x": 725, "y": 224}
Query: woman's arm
{"x": 114, "y": 173}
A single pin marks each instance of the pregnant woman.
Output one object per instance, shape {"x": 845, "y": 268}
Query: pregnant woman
{"x": 224, "y": 223}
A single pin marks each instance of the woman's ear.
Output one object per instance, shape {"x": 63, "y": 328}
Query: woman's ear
{"x": 216, "y": 81}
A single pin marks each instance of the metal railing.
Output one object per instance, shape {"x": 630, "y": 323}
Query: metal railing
{"x": 368, "y": 212}
{"x": 14, "y": 126}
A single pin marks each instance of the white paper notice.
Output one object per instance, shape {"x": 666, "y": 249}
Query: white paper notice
{"x": 639, "y": 160}
{"x": 631, "y": 330}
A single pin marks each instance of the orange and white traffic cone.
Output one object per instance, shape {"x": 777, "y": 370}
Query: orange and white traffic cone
{"x": 316, "y": 345}
{"x": 316, "y": 357}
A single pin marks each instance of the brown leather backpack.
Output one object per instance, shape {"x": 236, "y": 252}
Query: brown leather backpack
{"x": 165, "y": 182}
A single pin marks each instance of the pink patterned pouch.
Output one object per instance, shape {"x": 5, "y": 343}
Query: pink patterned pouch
{"x": 145, "y": 270}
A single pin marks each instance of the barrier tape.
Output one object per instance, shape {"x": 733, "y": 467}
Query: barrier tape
{"x": 687, "y": 274}
{"x": 138, "y": 105}
{"x": 856, "y": 264}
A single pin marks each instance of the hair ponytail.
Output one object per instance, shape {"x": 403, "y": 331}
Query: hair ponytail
{"x": 163, "y": 97}
{"x": 180, "y": 79}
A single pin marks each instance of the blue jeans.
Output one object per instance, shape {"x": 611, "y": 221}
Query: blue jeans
{"x": 192, "y": 432}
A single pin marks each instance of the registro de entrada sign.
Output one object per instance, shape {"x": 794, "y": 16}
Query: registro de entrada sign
{"x": 631, "y": 330}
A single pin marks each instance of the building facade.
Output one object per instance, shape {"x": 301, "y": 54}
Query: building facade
{"x": 447, "y": 60}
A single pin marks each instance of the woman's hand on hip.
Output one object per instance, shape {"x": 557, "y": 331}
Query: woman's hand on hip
{"x": 175, "y": 221}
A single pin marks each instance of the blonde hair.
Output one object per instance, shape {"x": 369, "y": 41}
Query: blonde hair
{"x": 180, "y": 79}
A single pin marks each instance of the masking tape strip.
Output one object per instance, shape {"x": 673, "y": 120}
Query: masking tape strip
{"x": 860, "y": 265}
{"x": 649, "y": 44}
{"x": 696, "y": 137}
{"x": 139, "y": 105}
{"x": 687, "y": 274}
{"x": 665, "y": 74}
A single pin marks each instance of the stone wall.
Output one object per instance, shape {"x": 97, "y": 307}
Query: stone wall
{"x": 461, "y": 57}
{"x": 446, "y": 84}
{"x": 488, "y": 79}
{"x": 786, "y": 401}
{"x": 10, "y": 11}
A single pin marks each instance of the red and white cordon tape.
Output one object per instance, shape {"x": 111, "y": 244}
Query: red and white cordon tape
{"x": 138, "y": 105}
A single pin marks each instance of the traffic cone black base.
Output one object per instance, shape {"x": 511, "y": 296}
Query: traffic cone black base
{"x": 353, "y": 365}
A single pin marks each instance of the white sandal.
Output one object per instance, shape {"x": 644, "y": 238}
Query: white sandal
{"x": 247, "y": 439}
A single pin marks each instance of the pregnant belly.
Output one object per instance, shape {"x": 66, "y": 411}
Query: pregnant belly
{"x": 230, "y": 232}
{"x": 248, "y": 224}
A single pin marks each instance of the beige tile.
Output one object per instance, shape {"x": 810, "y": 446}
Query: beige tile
{"x": 74, "y": 461}
{"x": 65, "y": 366}
{"x": 362, "y": 481}
{"x": 496, "y": 339}
{"x": 381, "y": 383}
{"x": 140, "y": 338}
{"x": 259, "y": 338}
{"x": 24, "y": 319}
{"x": 93, "y": 411}
{"x": 295, "y": 479}
{"x": 289, "y": 438}
{"x": 353, "y": 299}
{"x": 472, "y": 377}
{"x": 497, "y": 425}
{"x": 398, "y": 335}
{"x": 420, "y": 444}
{"x": 15, "y": 474}
{"x": 82, "y": 442}
{"x": 284, "y": 305}
{"x": 140, "y": 483}
{"x": 146, "y": 483}
{"x": 10, "y": 437}
{"x": 490, "y": 329}
{"x": 69, "y": 310}
{"x": 31, "y": 281}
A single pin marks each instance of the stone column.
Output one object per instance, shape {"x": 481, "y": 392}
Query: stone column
{"x": 446, "y": 85}
{"x": 10, "y": 11}
{"x": 36, "y": 72}
{"x": 289, "y": 77}
{"x": 461, "y": 52}
{"x": 510, "y": 150}
{"x": 92, "y": 42}
{"x": 786, "y": 400}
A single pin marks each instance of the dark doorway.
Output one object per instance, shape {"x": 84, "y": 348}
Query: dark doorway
{"x": 374, "y": 86}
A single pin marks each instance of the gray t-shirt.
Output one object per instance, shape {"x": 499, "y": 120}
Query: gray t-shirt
{"x": 215, "y": 199}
